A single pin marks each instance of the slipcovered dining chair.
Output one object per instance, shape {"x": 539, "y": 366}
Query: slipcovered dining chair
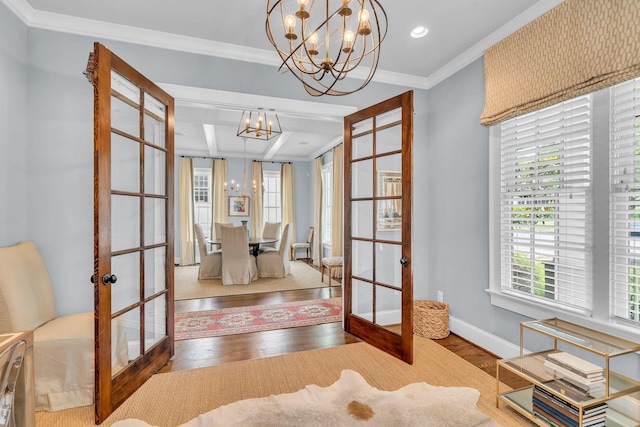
{"x": 216, "y": 227}
{"x": 210, "y": 262}
{"x": 270, "y": 230}
{"x": 275, "y": 263}
{"x": 302, "y": 245}
{"x": 238, "y": 266}
{"x": 63, "y": 347}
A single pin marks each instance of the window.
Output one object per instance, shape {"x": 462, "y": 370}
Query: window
{"x": 202, "y": 198}
{"x": 551, "y": 202}
{"x": 327, "y": 202}
{"x": 271, "y": 200}
{"x": 625, "y": 200}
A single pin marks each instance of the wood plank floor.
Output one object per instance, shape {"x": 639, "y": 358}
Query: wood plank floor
{"x": 197, "y": 353}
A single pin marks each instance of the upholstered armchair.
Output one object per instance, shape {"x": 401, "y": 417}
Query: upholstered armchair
{"x": 238, "y": 266}
{"x": 210, "y": 262}
{"x": 275, "y": 263}
{"x": 63, "y": 347}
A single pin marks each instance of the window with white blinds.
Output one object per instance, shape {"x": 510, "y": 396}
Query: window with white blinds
{"x": 625, "y": 200}
{"x": 546, "y": 205}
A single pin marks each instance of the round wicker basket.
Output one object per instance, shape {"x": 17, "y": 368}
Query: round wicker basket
{"x": 431, "y": 319}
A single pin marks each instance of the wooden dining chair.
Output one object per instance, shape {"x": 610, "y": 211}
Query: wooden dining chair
{"x": 302, "y": 245}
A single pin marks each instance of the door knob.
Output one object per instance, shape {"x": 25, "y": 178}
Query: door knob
{"x": 404, "y": 261}
{"x": 109, "y": 278}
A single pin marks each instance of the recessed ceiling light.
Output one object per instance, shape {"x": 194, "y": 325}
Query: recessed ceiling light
{"x": 418, "y": 32}
{"x": 303, "y": 143}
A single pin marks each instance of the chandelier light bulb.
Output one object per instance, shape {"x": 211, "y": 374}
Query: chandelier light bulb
{"x": 303, "y": 2}
{"x": 290, "y": 22}
{"x": 313, "y": 38}
{"x": 364, "y": 15}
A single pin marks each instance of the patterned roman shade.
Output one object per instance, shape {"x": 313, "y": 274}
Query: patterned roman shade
{"x": 578, "y": 47}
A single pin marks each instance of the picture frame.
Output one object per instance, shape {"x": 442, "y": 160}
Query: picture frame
{"x": 389, "y": 211}
{"x": 239, "y": 205}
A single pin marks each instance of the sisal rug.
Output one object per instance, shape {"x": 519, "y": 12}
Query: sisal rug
{"x": 187, "y": 285}
{"x": 171, "y": 399}
{"x": 349, "y": 402}
{"x": 242, "y": 320}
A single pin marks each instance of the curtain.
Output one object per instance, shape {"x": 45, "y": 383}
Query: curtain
{"x": 219, "y": 212}
{"x": 578, "y": 47}
{"x": 185, "y": 210}
{"x": 288, "y": 206}
{"x": 316, "y": 250}
{"x": 337, "y": 237}
{"x": 256, "y": 206}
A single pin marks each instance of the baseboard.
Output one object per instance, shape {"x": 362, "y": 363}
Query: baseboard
{"x": 496, "y": 345}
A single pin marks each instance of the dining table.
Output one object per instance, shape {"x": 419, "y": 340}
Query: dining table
{"x": 254, "y": 243}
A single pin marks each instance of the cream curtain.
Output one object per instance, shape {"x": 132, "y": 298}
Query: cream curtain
{"x": 337, "y": 237}
{"x": 220, "y": 210}
{"x": 288, "y": 203}
{"x": 185, "y": 210}
{"x": 316, "y": 249}
{"x": 256, "y": 205}
{"x": 578, "y": 47}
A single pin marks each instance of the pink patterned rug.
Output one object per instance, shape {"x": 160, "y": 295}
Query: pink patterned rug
{"x": 241, "y": 320}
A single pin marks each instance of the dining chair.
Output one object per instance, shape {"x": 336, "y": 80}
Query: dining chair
{"x": 10, "y": 364}
{"x": 216, "y": 227}
{"x": 302, "y": 245}
{"x": 210, "y": 261}
{"x": 270, "y": 230}
{"x": 238, "y": 266}
{"x": 275, "y": 263}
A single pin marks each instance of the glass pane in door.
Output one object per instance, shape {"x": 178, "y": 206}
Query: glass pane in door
{"x": 126, "y": 291}
{"x": 362, "y": 259}
{"x": 362, "y": 299}
{"x": 125, "y": 164}
{"x": 155, "y": 113}
{"x": 389, "y": 132}
{"x": 362, "y": 179}
{"x": 155, "y": 212}
{"x": 388, "y": 308}
{"x": 155, "y": 164}
{"x": 155, "y": 327}
{"x": 154, "y": 271}
{"x": 125, "y": 222}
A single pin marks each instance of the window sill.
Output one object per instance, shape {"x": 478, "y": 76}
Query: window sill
{"x": 535, "y": 310}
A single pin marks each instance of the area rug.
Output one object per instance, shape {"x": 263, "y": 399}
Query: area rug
{"x": 350, "y": 401}
{"x": 241, "y": 320}
{"x": 303, "y": 276}
{"x": 174, "y": 398}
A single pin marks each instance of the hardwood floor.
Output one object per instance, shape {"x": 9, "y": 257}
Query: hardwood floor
{"x": 197, "y": 353}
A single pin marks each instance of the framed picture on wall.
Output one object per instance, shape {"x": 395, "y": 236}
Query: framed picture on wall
{"x": 239, "y": 205}
{"x": 389, "y": 210}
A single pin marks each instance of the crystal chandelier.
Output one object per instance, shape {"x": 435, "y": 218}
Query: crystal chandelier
{"x": 259, "y": 125}
{"x": 320, "y": 42}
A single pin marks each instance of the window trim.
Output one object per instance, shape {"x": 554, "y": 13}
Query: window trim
{"x": 600, "y": 318}
{"x": 270, "y": 174}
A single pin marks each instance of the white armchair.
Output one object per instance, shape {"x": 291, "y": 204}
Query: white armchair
{"x": 275, "y": 263}
{"x": 63, "y": 347}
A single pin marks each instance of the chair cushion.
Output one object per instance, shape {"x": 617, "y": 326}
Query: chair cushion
{"x": 332, "y": 261}
{"x": 300, "y": 245}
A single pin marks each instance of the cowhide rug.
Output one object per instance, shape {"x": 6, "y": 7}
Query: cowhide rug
{"x": 350, "y": 401}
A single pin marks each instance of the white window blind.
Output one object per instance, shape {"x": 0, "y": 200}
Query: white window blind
{"x": 546, "y": 205}
{"x": 625, "y": 200}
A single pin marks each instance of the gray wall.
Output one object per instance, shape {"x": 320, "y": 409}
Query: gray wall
{"x": 13, "y": 129}
{"x": 58, "y": 211}
{"x": 457, "y": 184}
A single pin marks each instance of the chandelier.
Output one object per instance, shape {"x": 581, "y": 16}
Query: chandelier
{"x": 259, "y": 125}
{"x": 321, "y": 42}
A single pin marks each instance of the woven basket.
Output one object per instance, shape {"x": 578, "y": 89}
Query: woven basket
{"x": 431, "y": 319}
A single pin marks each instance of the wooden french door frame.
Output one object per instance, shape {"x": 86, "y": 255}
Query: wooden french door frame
{"x": 111, "y": 389}
{"x": 386, "y": 338}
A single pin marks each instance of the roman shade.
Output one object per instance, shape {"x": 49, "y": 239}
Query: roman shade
{"x": 578, "y": 47}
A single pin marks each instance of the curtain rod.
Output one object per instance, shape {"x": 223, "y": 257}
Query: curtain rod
{"x": 330, "y": 149}
{"x": 271, "y": 161}
{"x": 203, "y": 157}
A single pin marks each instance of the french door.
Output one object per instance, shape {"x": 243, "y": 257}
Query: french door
{"x": 377, "y": 231}
{"x": 133, "y": 229}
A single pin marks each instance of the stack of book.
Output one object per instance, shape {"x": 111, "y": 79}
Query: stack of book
{"x": 577, "y": 373}
{"x": 560, "y": 413}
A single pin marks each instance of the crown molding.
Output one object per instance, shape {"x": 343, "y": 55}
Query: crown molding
{"x": 87, "y": 27}
{"x": 477, "y": 50}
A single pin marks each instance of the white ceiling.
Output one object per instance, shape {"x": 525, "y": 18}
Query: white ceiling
{"x": 459, "y": 31}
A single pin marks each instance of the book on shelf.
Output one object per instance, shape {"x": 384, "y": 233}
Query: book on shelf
{"x": 555, "y": 418}
{"x": 558, "y": 413}
{"x": 575, "y": 377}
{"x": 562, "y": 404}
{"x": 542, "y": 393}
{"x": 566, "y": 382}
{"x": 576, "y": 364}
